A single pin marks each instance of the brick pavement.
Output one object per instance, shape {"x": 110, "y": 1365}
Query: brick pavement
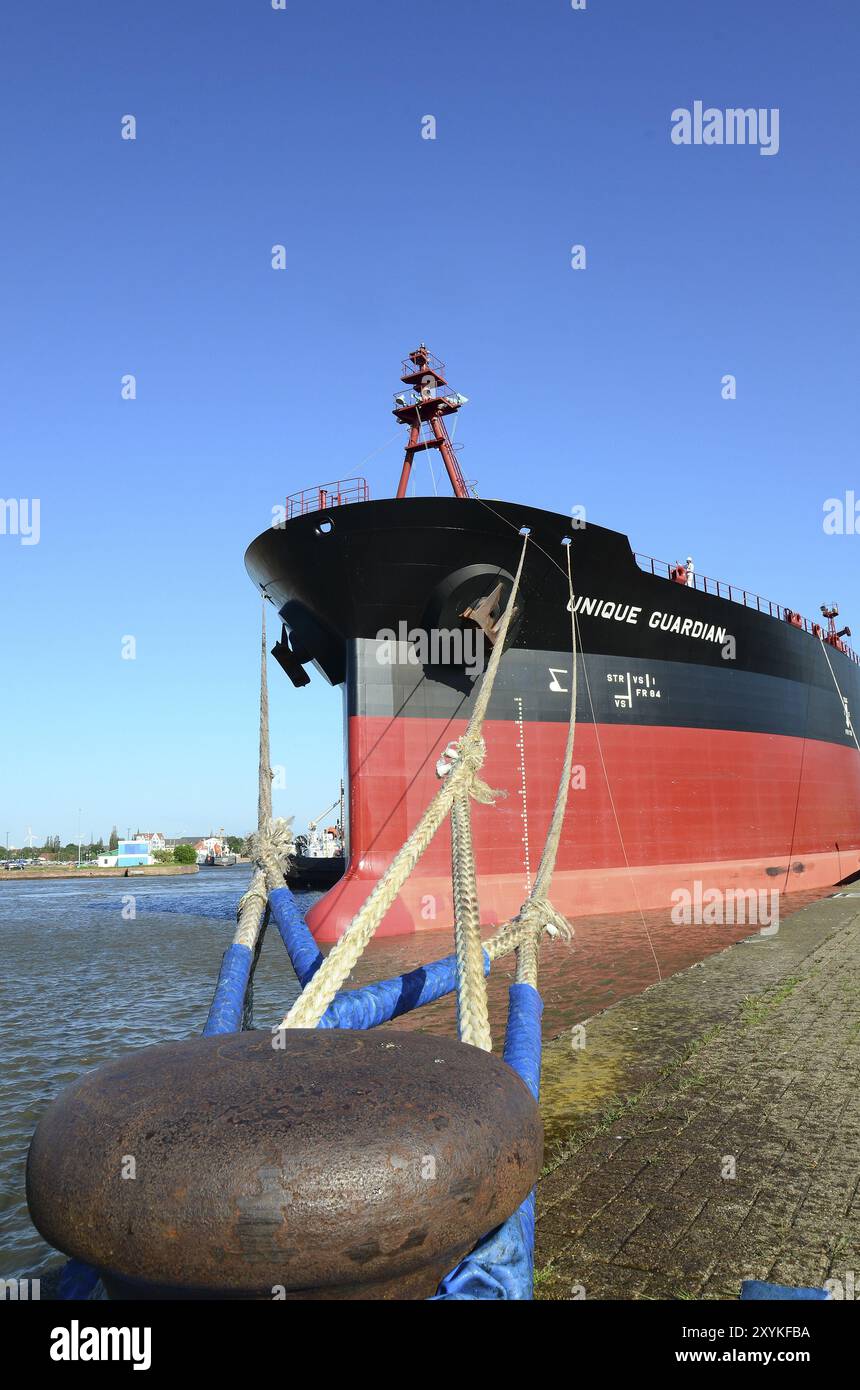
{"x": 709, "y": 1130}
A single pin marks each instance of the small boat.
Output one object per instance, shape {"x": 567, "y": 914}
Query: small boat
{"x": 319, "y": 861}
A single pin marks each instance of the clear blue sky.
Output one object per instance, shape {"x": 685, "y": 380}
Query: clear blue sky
{"x": 599, "y": 387}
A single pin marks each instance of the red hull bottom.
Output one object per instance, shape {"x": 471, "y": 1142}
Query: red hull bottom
{"x": 426, "y": 903}
{"x": 681, "y": 807}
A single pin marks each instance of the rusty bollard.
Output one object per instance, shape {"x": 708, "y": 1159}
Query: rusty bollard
{"x": 306, "y": 1164}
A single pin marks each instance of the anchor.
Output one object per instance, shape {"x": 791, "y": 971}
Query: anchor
{"x": 485, "y": 613}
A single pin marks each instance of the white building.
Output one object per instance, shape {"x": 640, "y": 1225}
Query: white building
{"x": 154, "y": 838}
{"x": 212, "y": 847}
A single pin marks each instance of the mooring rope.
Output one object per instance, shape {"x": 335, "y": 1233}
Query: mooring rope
{"x": 264, "y": 779}
{"x": 473, "y": 1017}
{"x": 250, "y": 910}
{"x": 271, "y": 847}
{"x": 459, "y": 771}
{"x": 848, "y": 717}
{"x": 537, "y": 913}
{"x": 627, "y": 865}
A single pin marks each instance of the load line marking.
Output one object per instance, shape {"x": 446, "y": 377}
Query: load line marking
{"x": 521, "y": 745}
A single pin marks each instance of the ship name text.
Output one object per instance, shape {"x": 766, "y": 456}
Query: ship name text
{"x": 665, "y": 622}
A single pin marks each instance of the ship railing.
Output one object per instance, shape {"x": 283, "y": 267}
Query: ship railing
{"x": 720, "y": 588}
{"x": 324, "y": 495}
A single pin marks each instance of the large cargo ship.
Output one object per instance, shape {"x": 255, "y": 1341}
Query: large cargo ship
{"x": 715, "y": 743}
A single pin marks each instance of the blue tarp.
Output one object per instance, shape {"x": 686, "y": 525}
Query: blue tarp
{"x": 757, "y": 1288}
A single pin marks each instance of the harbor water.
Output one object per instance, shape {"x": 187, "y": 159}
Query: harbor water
{"x": 97, "y": 968}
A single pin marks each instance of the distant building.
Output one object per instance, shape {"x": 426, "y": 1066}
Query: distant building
{"x": 212, "y": 847}
{"x": 154, "y": 838}
{"x": 129, "y": 854}
{"x": 141, "y": 850}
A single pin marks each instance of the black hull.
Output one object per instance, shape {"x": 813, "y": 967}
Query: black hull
{"x": 310, "y": 873}
{"x": 418, "y": 562}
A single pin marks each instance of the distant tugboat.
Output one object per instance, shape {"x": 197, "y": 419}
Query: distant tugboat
{"x": 321, "y": 861}
{"x": 716, "y": 739}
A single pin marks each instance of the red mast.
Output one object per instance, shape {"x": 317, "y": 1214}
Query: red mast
{"x": 425, "y": 374}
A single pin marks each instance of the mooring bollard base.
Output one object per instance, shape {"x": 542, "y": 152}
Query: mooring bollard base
{"x": 418, "y": 1285}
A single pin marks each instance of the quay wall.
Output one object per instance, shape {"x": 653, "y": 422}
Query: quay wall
{"x": 142, "y": 871}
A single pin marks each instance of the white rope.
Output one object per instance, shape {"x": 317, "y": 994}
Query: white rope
{"x": 473, "y": 1014}
{"x": 271, "y": 847}
{"x": 599, "y": 750}
{"x": 537, "y": 912}
{"x": 848, "y": 715}
{"x": 615, "y": 817}
{"x": 265, "y": 774}
{"x": 460, "y": 777}
{"x": 374, "y": 452}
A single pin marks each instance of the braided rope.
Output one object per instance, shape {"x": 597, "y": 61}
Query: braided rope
{"x": 341, "y": 960}
{"x": 250, "y": 911}
{"x": 505, "y": 939}
{"x": 473, "y": 1016}
{"x": 459, "y": 776}
{"x": 536, "y": 916}
{"x": 270, "y": 848}
{"x": 538, "y": 902}
{"x": 550, "y": 849}
{"x": 265, "y": 774}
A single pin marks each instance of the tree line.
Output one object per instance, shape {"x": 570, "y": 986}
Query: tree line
{"x": 54, "y": 849}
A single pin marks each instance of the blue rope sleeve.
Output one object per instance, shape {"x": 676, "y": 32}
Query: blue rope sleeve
{"x": 758, "y": 1288}
{"x": 77, "y": 1280}
{"x": 501, "y": 1266}
{"x": 296, "y": 935}
{"x": 225, "y": 1014}
{"x": 387, "y": 999}
{"x": 372, "y": 1004}
{"x": 522, "y": 1049}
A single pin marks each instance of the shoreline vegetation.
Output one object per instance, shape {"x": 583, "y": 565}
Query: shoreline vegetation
{"x": 73, "y": 859}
